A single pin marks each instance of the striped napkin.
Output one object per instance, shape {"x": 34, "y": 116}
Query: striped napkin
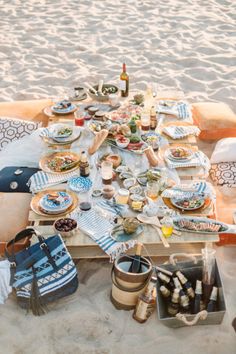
{"x": 43, "y": 180}
{"x": 198, "y": 159}
{"x": 99, "y": 228}
{"x": 181, "y": 110}
{"x": 179, "y": 132}
{"x": 188, "y": 190}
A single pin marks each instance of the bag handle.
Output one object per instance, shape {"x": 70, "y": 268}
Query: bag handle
{"x": 28, "y": 233}
{"x": 202, "y": 315}
{"x": 173, "y": 261}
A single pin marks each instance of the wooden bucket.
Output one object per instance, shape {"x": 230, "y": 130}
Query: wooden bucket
{"x": 126, "y": 287}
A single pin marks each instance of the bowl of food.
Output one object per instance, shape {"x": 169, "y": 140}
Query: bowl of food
{"x": 122, "y": 141}
{"x": 107, "y": 89}
{"x": 66, "y": 227}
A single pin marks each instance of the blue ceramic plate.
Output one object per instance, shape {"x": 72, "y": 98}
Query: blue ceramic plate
{"x": 64, "y": 201}
{"x": 119, "y": 235}
{"x": 66, "y": 110}
{"x": 79, "y": 184}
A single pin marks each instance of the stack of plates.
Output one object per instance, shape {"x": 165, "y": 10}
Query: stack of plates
{"x": 55, "y": 203}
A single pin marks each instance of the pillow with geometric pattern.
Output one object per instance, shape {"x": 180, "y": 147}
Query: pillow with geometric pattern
{"x": 13, "y": 129}
{"x": 224, "y": 173}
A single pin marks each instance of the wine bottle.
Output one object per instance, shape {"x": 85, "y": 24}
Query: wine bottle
{"x": 211, "y": 307}
{"x": 124, "y": 82}
{"x": 184, "y": 301}
{"x": 146, "y": 302}
{"x": 153, "y": 118}
{"x": 198, "y": 297}
{"x": 187, "y": 285}
{"x": 136, "y": 265}
{"x": 177, "y": 283}
{"x": 166, "y": 280}
{"x": 84, "y": 165}
{"x": 165, "y": 292}
{"x": 173, "y": 306}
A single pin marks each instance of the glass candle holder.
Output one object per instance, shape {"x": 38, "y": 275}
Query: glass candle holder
{"x": 106, "y": 172}
{"x": 79, "y": 118}
{"x": 145, "y": 121}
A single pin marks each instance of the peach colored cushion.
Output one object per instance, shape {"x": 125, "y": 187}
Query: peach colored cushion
{"x": 14, "y": 211}
{"x": 215, "y": 120}
{"x": 26, "y": 110}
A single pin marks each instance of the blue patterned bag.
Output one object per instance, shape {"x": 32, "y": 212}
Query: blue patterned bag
{"x": 42, "y": 273}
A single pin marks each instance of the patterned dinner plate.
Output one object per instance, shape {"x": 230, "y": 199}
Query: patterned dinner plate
{"x": 55, "y": 203}
{"x": 79, "y": 184}
{"x": 72, "y": 108}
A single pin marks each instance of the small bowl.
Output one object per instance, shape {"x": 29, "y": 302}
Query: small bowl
{"x": 115, "y": 159}
{"x": 102, "y": 98}
{"x": 68, "y": 233}
{"x": 122, "y": 144}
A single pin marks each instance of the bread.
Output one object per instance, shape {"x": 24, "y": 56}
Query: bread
{"x": 99, "y": 138}
{"x": 151, "y": 156}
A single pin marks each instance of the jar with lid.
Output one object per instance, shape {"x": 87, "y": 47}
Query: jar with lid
{"x": 122, "y": 196}
{"x": 167, "y": 224}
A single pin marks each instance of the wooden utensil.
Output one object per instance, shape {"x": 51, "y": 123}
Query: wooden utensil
{"x": 146, "y": 220}
{"x": 155, "y": 221}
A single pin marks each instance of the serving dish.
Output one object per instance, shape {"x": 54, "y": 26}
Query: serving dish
{"x": 106, "y": 90}
{"x": 118, "y": 233}
{"x": 61, "y": 131}
{"x": 152, "y": 139}
{"x": 187, "y": 204}
{"x": 179, "y": 153}
{"x": 79, "y": 184}
{"x": 202, "y": 225}
{"x": 65, "y": 226}
{"x": 47, "y": 135}
{"x": 59, "y": 162}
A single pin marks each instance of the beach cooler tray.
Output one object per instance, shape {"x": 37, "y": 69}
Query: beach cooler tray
{"x": 192, "y": 269}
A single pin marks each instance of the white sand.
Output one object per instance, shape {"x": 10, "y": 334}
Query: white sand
{"x": 48, "y": 47}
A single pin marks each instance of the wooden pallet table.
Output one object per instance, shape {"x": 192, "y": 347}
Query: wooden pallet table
{"x": 82, "y": 246}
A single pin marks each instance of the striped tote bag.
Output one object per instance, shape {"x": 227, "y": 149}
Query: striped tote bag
{"x": 41, "y": 273}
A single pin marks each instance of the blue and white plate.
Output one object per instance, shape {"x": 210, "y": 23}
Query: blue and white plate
{"x": 64, "y": 201}
{"x": 79, "y": 184}
{"x": 67, "y": 110}
{"x": 119, "y": 235}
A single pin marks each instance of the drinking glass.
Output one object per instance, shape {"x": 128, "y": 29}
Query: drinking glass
{"x": 106, "y": 172}
{"x": 79, "y": 117}
{"x": 153, "y": 188}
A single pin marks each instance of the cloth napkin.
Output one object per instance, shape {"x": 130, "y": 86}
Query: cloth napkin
{"x": 198, "y": 159}
{"x": 199, "y": 188}
{"x": 98, "y": 228}
{"x": 43, "y": 180}
{"x": 179, "y": 132}
{"x": 5, "y": 288}
{"x": 181, "y": 110}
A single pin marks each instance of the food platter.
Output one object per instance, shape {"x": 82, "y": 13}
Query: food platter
{"x": 35, "y": 203}
{"x": 59, "y": 162}
{"x": 179, "y": 154}
{"x": 152, "y": 139}
{"x": 63, "y": 107}
{"x": 201, "y": 225}
{"x": 185, "y": 204}
{"x": 56, "y": 202}
{"x": 205, "y": 207}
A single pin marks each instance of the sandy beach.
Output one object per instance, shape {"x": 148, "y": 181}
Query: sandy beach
{"x": 49, "y": 47}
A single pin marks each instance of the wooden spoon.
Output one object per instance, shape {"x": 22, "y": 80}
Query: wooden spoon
{"x": 149, "y": 220}
{"x": 155, "y": 221}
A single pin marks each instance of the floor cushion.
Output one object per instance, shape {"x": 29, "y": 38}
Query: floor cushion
{"x": 26, "y": 110}
{"x": 224, "y": 173}
{"x": 225, "y": 151}
{"x": 14, "y": 212}
{"x": 215, "y": 120}
{"x": 14, "y": 129}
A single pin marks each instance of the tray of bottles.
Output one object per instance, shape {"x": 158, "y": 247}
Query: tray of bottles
{"x": 187, "y": 305}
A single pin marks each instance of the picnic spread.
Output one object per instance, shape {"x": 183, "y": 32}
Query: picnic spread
{"x": 108, "y": 176}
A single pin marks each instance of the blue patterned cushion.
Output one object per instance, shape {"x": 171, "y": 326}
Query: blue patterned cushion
{"x": 13, "y": 129}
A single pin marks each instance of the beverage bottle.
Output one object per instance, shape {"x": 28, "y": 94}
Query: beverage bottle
{"x": 167, "y": 225}
{"x": 165, "y": 292}
{"x": 166, "y": 280}
{"x": 136, "y": 265}
{"x": 177, "y": 283}
{"x": 211, "y": 307}
{"x": 198, "y": 297}
{"x": 153, "y": 118}
{"x": 84, "y": 165}
{"x": 173, "y": 306}
{"x": 124, "y": 82}
{"x": 184, "y": 301}
{"x": 146, "y": 302}
{"x": 187, "y": 285}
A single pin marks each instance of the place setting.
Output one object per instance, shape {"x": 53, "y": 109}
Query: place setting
{"x": 60, "y": 134}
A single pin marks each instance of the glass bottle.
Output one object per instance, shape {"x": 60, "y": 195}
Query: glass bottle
{"x": 146, "y": 302}
{"x": 84, "y": 165}
{"x": 187, "y": 285}
{"x": 165, "y": 292}
{"x": 136, "y": 264}
{"x": 211, "y": 307}
{"x": 198, "y": 297}
{"x": 167, "y": 225}
{"x": 173, "y": 306}
{"x": 184, "y": 301}
{"x": 153, "y": 118}
{"x": 165, "y": 279}
{"x": 124, "y": 82}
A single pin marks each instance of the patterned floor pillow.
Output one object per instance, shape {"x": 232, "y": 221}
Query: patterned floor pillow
{"x": 224, "y": 173}
{"x": 13, "y": 129}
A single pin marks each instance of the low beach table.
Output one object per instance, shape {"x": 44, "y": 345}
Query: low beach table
{"x": 82, "y": 246}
